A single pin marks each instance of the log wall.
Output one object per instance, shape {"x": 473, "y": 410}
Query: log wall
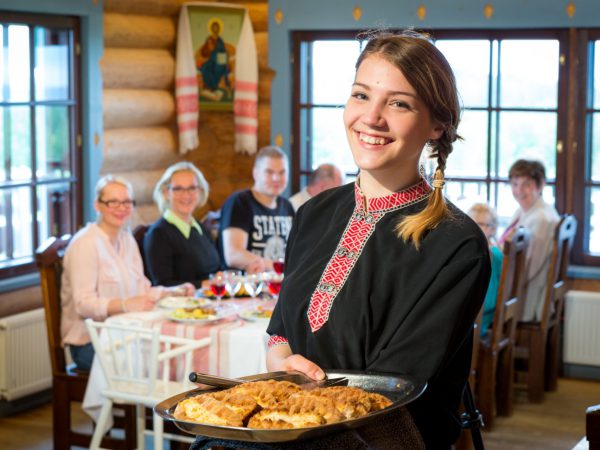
{"x": 140, "y": 140}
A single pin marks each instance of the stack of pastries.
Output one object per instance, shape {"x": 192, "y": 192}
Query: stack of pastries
{"x": 272, "y": 404}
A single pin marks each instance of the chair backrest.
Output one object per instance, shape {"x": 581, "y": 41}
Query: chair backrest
{"x": 48, "y": 258}
{"x": 211, "y": 221}
{"x": 139, "y": 232}
{"x": 511, "y": 289}
{"x": 136, "y": 356}
{"x": 564, "y": 236}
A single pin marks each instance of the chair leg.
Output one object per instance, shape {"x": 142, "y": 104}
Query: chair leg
{"x": 535, "y": 374}
{"x": 552, "y": 359}
{"x": 100, "y": 427}
{"x": 157, "y": 423}
{"x": 486, "y": 387}
{"x": 504, "y": 386}
{"x": 141, "y": 425}
{"x": 61, "y": 416}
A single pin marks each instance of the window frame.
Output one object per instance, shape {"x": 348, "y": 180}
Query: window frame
{"x": 570, "y": 127}
{"x": 10, "y": 270}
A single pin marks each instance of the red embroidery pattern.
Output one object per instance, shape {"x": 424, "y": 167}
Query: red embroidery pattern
{"x": 360, "y": 227}
{"x": 276, "y": 340}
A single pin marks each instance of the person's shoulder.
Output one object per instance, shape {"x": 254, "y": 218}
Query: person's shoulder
{"x": 462, "y": 228}
{"x": 337, "y": 197}
{"x": 285, "y": 204}
{"x": 84, "y": 239}
{"x": 241, "y": 196}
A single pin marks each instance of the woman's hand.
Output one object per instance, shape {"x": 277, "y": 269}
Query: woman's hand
{"x": 280, "y": 357}
{"x": 138, "y": 303}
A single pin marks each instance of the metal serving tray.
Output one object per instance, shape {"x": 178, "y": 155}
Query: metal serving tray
{"x": 399, "y": 389}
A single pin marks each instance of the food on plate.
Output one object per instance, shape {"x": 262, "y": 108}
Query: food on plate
{"x": 272, "y": 404}
{"x": 181, "y": 302}
{"x": 256, "y": 314}
{"x": 203, "y": 313}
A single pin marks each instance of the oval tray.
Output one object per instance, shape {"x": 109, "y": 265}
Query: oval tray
{"x": 399, "y": 389}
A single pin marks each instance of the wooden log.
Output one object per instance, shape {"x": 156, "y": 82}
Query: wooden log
{"x": 259, "y": 15}
{"x": 150, "y": 7}
{"x": 262, "y": 49}
{"x": 143, "y": 182}
{"x": 133, "y": 31}
{"x": 128, "y": 149}
{"x": 137, "y": 68}
{"x": 131, "y": 108}
{"x": 144, "y": 214}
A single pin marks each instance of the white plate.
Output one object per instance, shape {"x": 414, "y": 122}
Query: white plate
{"x": 252, "y": 315}
{"x": 182, "y": 302}
{"x": 171, "y": 315}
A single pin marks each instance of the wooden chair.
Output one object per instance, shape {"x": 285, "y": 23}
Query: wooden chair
{"x": 537, "y": 350}
{"x": 592, "y": 427}
{"x": 139, "y": 232}
{"x": 68, "y": 386}
{"x": 495, "y": 366}
{"x": 211, "y": 221}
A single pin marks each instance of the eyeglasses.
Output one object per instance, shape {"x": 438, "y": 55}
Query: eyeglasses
{"x": 114, "y": 204}
{"x": 180, "y": 190}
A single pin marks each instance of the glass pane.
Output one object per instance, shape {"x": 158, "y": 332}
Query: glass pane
{"x": 15, "y": 64}
{"x": 529, "y": 73}
{"x": 528, "y": 135}
{"x": 595, "y": 146}
{"x": 594, "y": 237}
{"x": 469, "y": 157}
{"x": 464, "y": 194}
{"x": 329, "y": 142}
{"x": 470, "y": 60}
{"x": 51, "y": 64}
{"x": 15, "y": 142}
{"x": 54, "y": 210}
{"x": 597, "y": 75}
{"x": 15, "y": 223}
{"x": 333, "y": 71}
{"x": 52, "y": 141}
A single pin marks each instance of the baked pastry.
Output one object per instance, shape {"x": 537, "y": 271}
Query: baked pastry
{"x": 272, "y": 404}
{"x": 300, "y": 410}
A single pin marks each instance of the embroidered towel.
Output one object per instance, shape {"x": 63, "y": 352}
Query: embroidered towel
{"x": 246, "y": 85}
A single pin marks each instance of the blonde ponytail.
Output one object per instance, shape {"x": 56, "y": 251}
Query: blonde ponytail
{"x": 413, "y": 227}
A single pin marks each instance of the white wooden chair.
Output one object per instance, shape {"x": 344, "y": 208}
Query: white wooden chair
{"x": 142, "y": 367}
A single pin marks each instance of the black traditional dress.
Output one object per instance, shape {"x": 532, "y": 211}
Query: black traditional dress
{"x": 356, "y": 297}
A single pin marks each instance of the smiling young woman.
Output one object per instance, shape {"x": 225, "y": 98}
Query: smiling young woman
{"x": 385, "y": 275}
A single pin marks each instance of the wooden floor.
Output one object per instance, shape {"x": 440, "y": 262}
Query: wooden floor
{"x": 556, "y": 424}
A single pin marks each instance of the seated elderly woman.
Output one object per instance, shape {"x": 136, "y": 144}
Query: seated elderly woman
{"x": 527, "y": 180}
{"x": 177, "y": 248}
{"x": 102, "y": 271}
{"x": 487, "y": 219}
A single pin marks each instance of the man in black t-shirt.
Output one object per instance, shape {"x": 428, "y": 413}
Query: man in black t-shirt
{"x": 255, "y": 222}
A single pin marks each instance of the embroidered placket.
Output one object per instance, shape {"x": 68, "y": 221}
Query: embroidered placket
{"x": 360, "y": 227}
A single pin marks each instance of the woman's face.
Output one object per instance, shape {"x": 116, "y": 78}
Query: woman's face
{"x": 183, "y": 194}
{"x": 525, "y": 191}
{"x": 387, "y": 125}
{"x": 110, "y": 207}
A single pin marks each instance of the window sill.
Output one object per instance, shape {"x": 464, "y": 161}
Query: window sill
{"x": 20, "y": 282}
{"x": 584, "y": 272}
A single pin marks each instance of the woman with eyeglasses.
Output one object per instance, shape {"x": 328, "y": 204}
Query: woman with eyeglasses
{"x": 177, "y": 248}
{"x": 103, "y": 273}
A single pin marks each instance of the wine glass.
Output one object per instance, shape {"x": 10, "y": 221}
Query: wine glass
{"x": 234, "y": 281}
{"x": 274, "y": 280}
{"x": 253, "y": 284}
{"x": 218, "y": 286}
{"x": 279, "y": 265}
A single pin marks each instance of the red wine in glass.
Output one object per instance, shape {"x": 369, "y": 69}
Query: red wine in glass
{"x": 274, "y": 287}
{"x": 278, "y": 266}
{"x": 218, "y": 290}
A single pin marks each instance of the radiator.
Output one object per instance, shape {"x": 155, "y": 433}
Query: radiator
{"x": 24, "y": 355}
{"x": 582, "y": 333}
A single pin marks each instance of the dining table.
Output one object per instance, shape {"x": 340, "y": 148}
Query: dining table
{"x": 238, "y": 346}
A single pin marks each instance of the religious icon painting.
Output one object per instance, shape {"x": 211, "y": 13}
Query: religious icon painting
{"x": 215, "y": 32}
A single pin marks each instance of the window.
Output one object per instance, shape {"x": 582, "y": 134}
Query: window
{"x": 514, "y": 87}
{"x": 39, "y": 151}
